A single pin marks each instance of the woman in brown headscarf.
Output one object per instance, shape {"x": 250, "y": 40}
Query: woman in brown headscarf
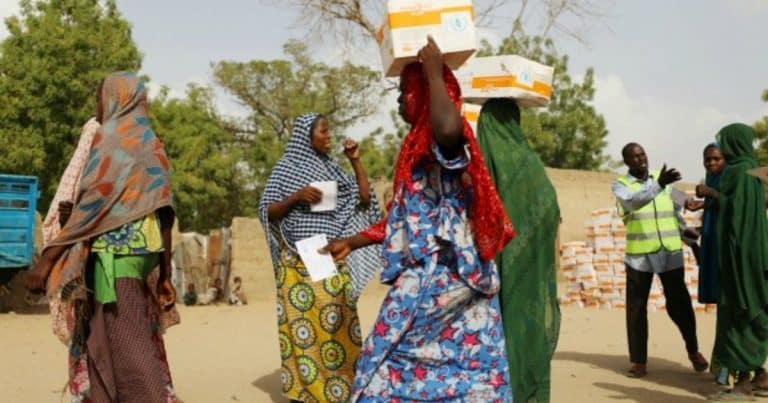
{"x": 107, "y": 273}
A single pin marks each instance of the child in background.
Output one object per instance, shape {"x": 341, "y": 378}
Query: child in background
{"x": 236, "y": 294}
{"x": 190, "y": 297}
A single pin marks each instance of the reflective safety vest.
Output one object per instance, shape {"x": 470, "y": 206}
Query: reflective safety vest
{"x": 654, "y": 225}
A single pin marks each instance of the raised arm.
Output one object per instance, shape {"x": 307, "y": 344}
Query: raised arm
{"x": 446, "y": 121}
{"x": 352, "y": 151}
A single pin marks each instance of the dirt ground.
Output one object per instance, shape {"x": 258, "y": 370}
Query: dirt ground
{"x": 230, "y": 354}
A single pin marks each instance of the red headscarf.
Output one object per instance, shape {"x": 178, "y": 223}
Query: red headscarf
{"x": 491, "y": 225}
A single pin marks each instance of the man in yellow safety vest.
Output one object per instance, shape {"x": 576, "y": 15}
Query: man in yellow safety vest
{"x": 655, "y": 230}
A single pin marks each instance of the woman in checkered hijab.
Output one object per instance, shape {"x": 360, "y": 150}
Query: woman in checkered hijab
{"x": 319, "y": 330}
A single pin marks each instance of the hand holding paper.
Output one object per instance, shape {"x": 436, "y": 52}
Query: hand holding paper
{"x": 338, "y": 249}
{"x": 319, "y": 266}
{"x": 330, "y": 191}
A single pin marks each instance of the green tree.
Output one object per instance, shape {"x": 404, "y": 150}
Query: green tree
{"x": 278, "y": 91}
{"x": 569, "y": 133}
{"x": 761, "y": 132}
{"x": 209, "y": 186}
{"x": 55, "y": 55}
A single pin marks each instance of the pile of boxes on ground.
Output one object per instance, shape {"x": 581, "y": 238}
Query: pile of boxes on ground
{"x": 451, "y": 25}
{"x": 596, "y": 273}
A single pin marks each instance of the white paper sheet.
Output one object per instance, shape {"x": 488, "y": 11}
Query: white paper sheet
{"x": 328, "y": 202}
{"x": 319, "y": 266}
{"x": 679, "y": 197}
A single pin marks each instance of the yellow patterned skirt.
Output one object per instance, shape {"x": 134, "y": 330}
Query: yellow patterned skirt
{"x": 319, "y": 332}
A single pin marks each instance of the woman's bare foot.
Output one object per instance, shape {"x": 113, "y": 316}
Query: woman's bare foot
{"x": 741, "y": 392}
{"x": 760, "y": 383}
{"x": 743, "y": 385}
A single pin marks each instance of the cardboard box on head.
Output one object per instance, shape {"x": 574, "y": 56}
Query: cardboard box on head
{"x": 408, "y": 22}
{"x": 509, "y": 76}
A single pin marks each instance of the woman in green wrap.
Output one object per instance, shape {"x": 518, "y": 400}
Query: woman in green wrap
{"x": 741, "y": 340}
{"x": 529, "y": 308}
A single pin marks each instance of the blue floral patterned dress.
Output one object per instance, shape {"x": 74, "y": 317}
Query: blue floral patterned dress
{"x": 438, "y": 335}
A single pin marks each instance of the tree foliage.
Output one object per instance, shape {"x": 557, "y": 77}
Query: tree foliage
{"x": 55, "y": 55}
{"x": 349, "y": 20}
{"x": 276, "y": 92}
{"x": 209, "y": 186}
{"x": 57, "y": 52}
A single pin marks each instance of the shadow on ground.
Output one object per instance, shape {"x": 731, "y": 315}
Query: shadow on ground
{"x": 270, "y": 384}
{"x": 661, "y": 372}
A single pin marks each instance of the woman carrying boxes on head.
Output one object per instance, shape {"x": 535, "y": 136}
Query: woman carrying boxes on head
{"x": 530, "y": 312}
{"x": 438, "y": 335}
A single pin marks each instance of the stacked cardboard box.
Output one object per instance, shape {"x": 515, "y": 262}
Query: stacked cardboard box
{"x": 595, "y": 269}
{"x": 508, "y": 76}
{"x": 451, "y": 23}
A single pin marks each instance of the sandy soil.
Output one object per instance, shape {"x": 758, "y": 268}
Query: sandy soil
{"x": 227, "y": 354}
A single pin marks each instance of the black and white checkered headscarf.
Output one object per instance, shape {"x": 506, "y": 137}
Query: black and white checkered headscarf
{"x": 300, "y": 166}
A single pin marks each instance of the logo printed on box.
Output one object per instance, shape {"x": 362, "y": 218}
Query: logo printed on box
{"x": 458, "y": 21}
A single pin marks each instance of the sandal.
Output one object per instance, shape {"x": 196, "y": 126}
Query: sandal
{"x": 730, "y": 396}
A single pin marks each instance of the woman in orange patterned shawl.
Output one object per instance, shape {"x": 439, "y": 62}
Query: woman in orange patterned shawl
{"x": 114, "y": 251}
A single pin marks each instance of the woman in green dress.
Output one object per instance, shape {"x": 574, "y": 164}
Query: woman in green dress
{"x": 741, "y": 341}
{"x": 529, "y": 307}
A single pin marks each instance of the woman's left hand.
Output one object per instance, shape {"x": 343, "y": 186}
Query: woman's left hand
{"x": 351, "y": 149}
{"x": 166, "y": 294}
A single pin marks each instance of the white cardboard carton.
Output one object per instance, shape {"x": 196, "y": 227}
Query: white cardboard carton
{"x": 471, "y": 112}
{"x": 408, "y": 22}
{"x": 510, "y": 76}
